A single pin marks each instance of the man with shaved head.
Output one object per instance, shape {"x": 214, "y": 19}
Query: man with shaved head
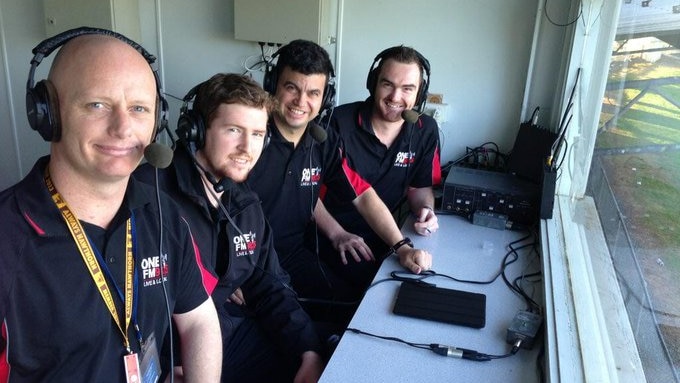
{"x": 85, "y": 292}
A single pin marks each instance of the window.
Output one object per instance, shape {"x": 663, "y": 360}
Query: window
{"x": 635, "y": 177}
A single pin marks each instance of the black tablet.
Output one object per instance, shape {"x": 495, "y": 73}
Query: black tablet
{"x": 439, "y": 304}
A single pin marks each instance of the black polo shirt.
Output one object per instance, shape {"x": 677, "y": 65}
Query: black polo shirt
{"x": 56, "y": 326}
{"x": 289, "y": 179}
{"x": 413, "y": 159}
{"x": 240, "y": 254}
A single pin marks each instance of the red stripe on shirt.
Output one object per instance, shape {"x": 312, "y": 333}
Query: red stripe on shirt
{"x": 34, "y": 225}
{"x": 358, "y": 183}
{"x": 436, "y": 168}
{"x": 209, "y": 280}
{"x": 4, "y": 363}
{"x": 322, "y": 191}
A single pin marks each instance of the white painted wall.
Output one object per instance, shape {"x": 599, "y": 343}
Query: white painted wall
{"x": 479, "y": 52}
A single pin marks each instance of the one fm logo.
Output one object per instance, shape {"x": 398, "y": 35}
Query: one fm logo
{"x": 245, "y": 244}
{"x": 151, "y": 270}
{"x": 404, "y": 159}
{"x": 310, "y": 176}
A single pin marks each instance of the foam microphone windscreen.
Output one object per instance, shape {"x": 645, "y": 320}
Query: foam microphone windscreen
{"x": 410, "y": 115}
{"x": 317, "y": 132}
{"x": 158, "y": 155}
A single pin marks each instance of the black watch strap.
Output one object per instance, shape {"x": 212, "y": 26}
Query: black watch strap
{"x": 406, "y": 241}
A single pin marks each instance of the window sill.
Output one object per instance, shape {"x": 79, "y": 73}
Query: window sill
{"x": 588, "y": 333}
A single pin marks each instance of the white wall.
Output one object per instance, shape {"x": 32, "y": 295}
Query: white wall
{"x": 479, "y": 52}
{"x": 21, "y": 29}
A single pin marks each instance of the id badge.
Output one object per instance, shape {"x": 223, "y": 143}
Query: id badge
{"x": 151, "y": 366}
{"x": 131, "y": 363}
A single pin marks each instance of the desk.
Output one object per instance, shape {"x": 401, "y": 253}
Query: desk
{"x": 464, "y": 251}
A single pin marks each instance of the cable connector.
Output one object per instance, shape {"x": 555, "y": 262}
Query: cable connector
{"x": 461, "y": 353}
{"x": 523, "y": 330}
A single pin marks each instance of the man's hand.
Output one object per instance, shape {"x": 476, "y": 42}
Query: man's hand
{"x": 353, "y": 244}
{"x": 237, "y": 297}
{"x": 311, "y": 368}
{"x": 426, "y": 221}
{"x": 415, "y": 260}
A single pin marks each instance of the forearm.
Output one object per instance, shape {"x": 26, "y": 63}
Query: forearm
{"x": 419, "y": 198}
{"x": 381, "y": 221}
{"x": 310, "y": 368}
{"x": 378, "y": 217}
{"x": 325, "y": 221}
{"x": 201, "y": 341}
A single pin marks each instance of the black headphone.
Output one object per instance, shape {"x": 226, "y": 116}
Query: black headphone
{"x": 376, "y": 66}
{"x": 191, "y": 125}
{"x": 271, "y": 80}
{"x": 42, "y": 103}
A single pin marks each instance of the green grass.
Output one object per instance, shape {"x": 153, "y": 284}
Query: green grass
{"x": 652, "y": 199}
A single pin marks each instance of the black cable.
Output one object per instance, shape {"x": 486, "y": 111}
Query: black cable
{"x": 564, "y": 123}
{"x": 510, "y": 257}
{"x": 457, "y": 352}
{"x": 263, "y": 62}
{"x": 276, "y": 277}
{"x": 173, "y": 96}
{"x": 533, "y": 306}
{"x": 530, "y": 301}
{"x": 424, "y": 346}
{"x": 240, "y": 233}
{"x": 472, "y": 158}
{"x": 564, "y": 155}
{"x": 316, "y": 226}
{"x": 545, "y": 11}
{"x": 322, "y": 301}
{"x": 444, "y": 350}
{"x": 540, "y": 363}
{"x": 406, "y": 276}
{"x": 165, "y": 290}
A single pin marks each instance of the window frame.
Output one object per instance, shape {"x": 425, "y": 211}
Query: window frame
{"x": 588, "y": 332}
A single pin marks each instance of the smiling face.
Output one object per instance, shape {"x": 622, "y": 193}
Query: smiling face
{"x": 299, "y": 97}
{"x": 396, "y": 89}
{"x": 234, "y": 141}
{"x": 107, "y": 99}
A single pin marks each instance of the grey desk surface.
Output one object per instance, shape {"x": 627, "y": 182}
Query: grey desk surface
{"x": 463, "y": 251}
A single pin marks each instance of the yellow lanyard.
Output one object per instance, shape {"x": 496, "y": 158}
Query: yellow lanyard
{"x": 93, "y": 266}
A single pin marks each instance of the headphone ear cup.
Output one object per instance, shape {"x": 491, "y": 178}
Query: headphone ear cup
{"x": 267, "y": 139}
{"x": 425, "y": 83}
{"x": 190, "y": 128}
{"x": 270, "y": 79}
{"x": 328, "y": 96}
{"x": 422, "y": 94}
{"x": 42, "y": 109}
{"x": 371, "y": 80}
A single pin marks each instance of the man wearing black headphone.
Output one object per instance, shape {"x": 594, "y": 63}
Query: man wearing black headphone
{"x": 266, "y": 334}
{"x": 392, "y": 145}
{"x": 302, "y": 161}
{"x": 85, "y": 292}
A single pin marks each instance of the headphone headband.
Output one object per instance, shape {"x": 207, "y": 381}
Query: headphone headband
{"x": 191, "y": 125}
{"x": 46, "y": 47}
{"x": 271, "y": 79}
{"x": 42, "y": 106}
{"x": 379, "y": 60}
